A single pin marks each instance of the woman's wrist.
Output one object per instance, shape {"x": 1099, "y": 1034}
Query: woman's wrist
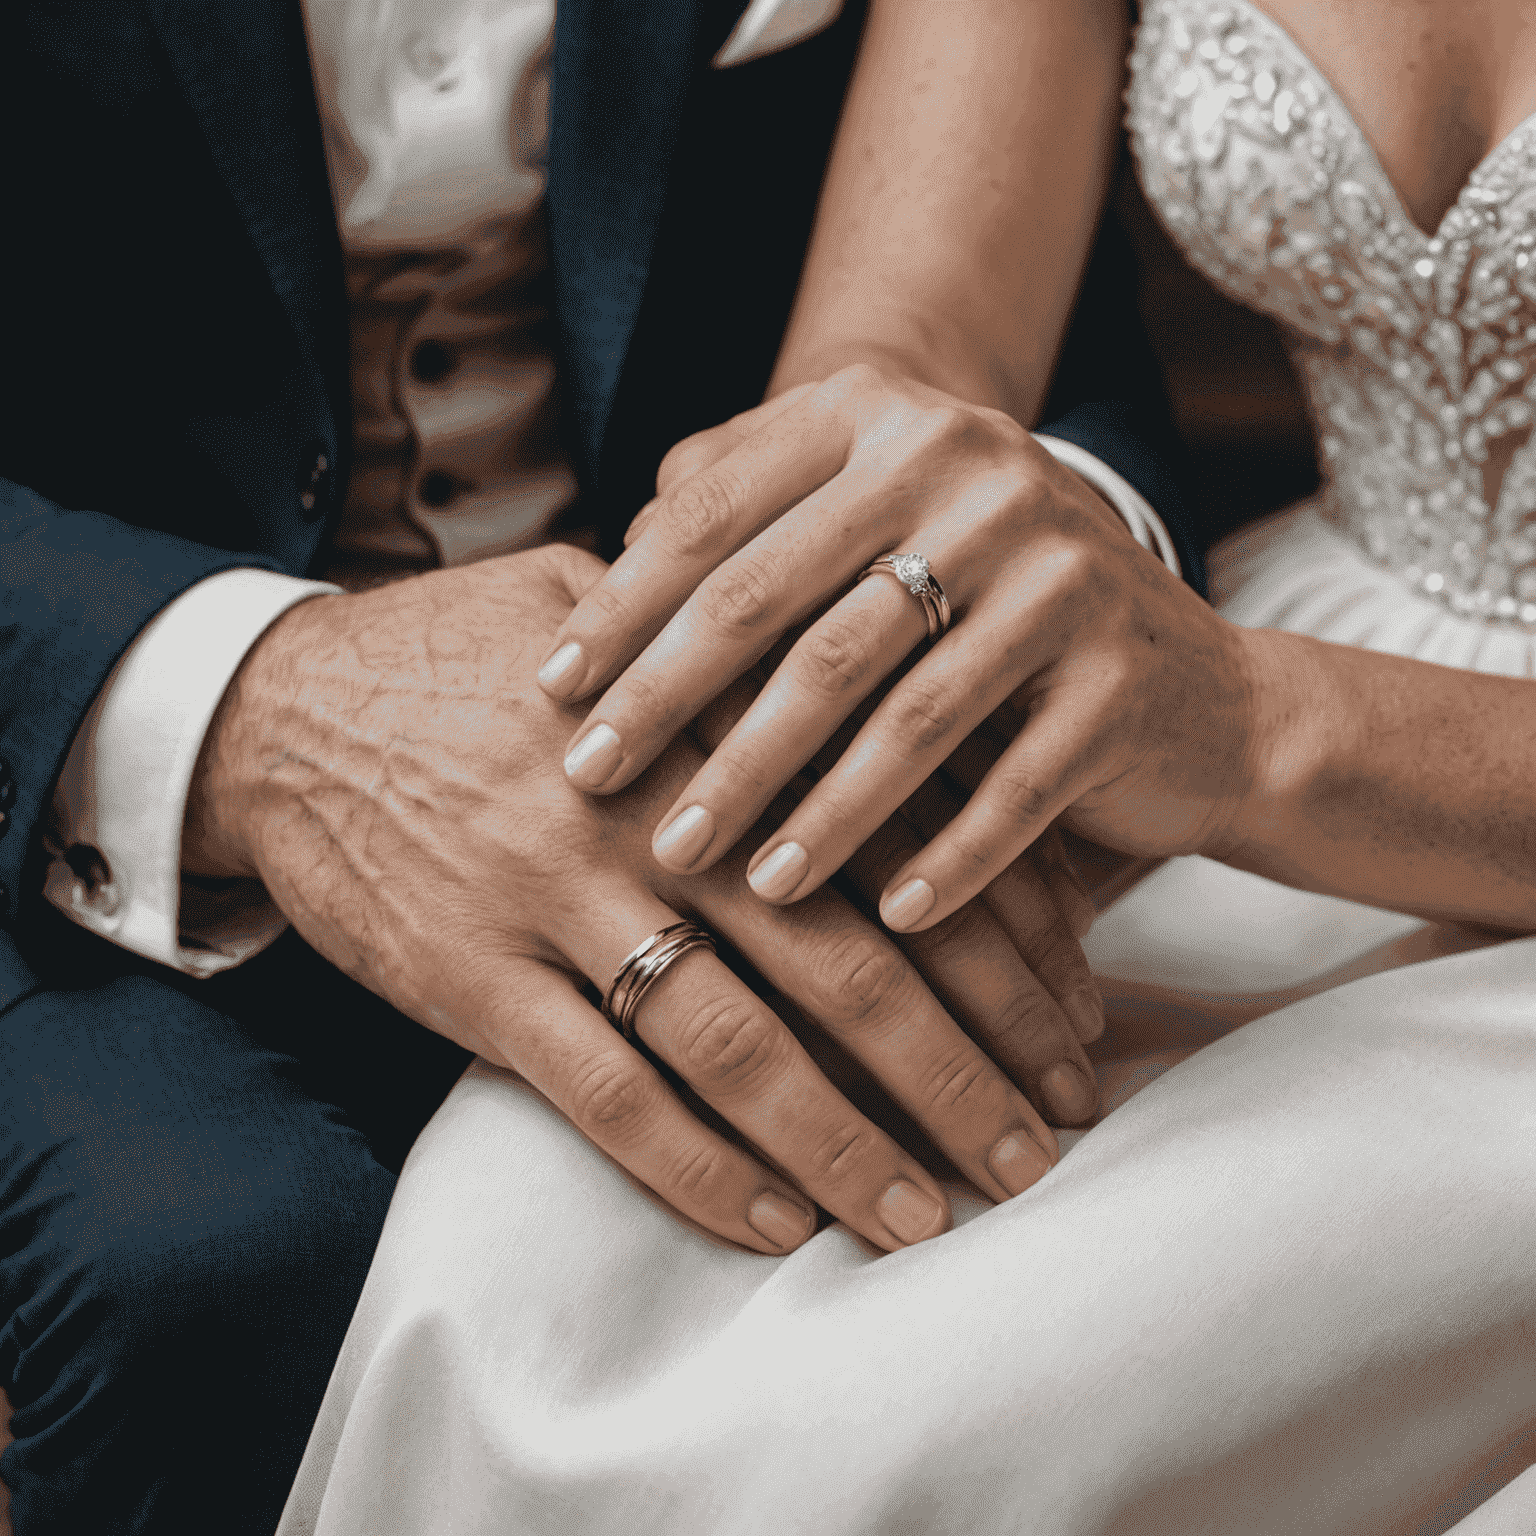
{"x": 1301, "y": 738}
{"x": 933, "y": 357}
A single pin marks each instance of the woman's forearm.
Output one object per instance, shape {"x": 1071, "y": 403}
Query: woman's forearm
{"x": 1391, "y": 781}
{"x": 964, "y": 187}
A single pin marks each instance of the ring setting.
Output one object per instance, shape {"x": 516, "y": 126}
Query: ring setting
{"x": 916, "y": 575}
{"x": 912, "y": 569}
{"x": 643, "y": 968}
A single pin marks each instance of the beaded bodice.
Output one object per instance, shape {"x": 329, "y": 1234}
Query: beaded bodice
{"x": 1417, "y": 353}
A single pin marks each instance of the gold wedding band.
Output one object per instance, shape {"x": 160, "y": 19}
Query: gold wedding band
{"x": 913, "y": 573}
{"x": 644, "y": 967}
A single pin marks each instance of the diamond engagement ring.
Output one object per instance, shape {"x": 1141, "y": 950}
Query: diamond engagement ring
{"x": 643, "y": 967}
{"x": 913, "y": 573}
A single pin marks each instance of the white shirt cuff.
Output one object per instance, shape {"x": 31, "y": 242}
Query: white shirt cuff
{"x": 1134, "y": 508}
{"x": 122, "y": 797}
{"x": 766, "y": 26}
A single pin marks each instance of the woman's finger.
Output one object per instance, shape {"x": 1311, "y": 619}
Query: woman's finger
{"x": 1005, "y": 640}
{"x": 986, "y": 979}
{"x": 693, "y": 527}
{"x": 619, "y": 1101}
{"x": 1037, "y": 778}
{"x": 828, "y": 672}
{"x": 704, "y": 449}
{"x": 737, "y": 614}
{"x": 1036, "y": 901}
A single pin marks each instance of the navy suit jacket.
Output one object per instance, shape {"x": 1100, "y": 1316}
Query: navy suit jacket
{"x": 175, "y": 361}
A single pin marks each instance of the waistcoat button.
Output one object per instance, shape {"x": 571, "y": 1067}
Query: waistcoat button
{"x": 437, "y": 488}
{"x": 314, "y": 484}
{"x": 431, "y": 361}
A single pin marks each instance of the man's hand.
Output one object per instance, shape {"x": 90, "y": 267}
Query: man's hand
{"x": 386, "y": 765}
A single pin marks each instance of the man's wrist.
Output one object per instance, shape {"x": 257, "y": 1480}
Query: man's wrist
{"x": 224, "y": 789}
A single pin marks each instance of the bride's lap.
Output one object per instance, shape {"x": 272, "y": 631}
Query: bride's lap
{"x": 1285, "y": 1287}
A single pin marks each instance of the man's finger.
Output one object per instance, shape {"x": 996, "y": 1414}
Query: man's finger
{"x": 850, "y": 980}
{"x": 991, "y": 981}
{"x": 608, "y": 1090}
{"x": 745, "y": 1063}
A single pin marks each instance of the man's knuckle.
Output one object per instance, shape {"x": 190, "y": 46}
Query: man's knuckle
{"x": 960, "y": 1082}
{"x": 728, "y": 1043}
{"x": 860, "y": 978}
{"x": 695, "y": 1173}
{"x": 967, "y": 930}
{"x": 841, "y": 1152}
{"x": 1054, "y": 950}
{"x": 1028, "y": 1025}
{"x": 612, "y": 1098}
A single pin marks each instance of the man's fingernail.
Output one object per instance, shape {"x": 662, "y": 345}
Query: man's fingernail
{"x": 1017, "y": 1162}
{"x": 782, "y": 1222}
{"x": 780, "y": 872}
{"x": 592, "y": 760}
{"x": 684, "y": 838}
{"x": 906, "y": 905}
{"x": 561, "y": 672}
{"x": 909, "y": 1213}
{"x": 1069, "y": 1094}
{"x": 1085, "y": 1010}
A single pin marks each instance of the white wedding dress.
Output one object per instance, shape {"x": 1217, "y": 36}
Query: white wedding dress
{"x": 1289, "y": 1286}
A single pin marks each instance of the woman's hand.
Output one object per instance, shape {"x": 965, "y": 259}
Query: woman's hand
{"x": 1130, "y": 699}
{"x": 386, "y": 765}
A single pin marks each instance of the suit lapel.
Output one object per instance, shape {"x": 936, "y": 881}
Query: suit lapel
{"x": 621, "y": 74}
{"x": 244, "y": 67}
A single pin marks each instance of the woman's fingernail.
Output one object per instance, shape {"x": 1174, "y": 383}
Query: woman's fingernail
{"x": 684, "y": 838}
{"x": 909, "y": 1213}
{"x": 782, "y": 1222}
{"x": 1017, "y": 1162}
{"x": 1085, "y": 1010}
{"x": 780, "y": 872}
{"x": 906, "y": 905}
{"x": 1070, "y": 1095}
{"x": 560, "y": 673}
{"x": 592, "y": 760}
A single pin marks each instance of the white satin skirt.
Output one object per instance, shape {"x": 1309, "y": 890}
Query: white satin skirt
{"x": 1286, "y": 1284}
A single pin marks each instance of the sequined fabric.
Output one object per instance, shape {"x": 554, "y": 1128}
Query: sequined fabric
{"x": 1417, "y": 353}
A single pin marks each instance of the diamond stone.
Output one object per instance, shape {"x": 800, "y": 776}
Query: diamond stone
{"x": 912, "y": 569}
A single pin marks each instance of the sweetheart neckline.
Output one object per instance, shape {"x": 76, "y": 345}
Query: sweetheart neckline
{"x": 1400, "y": 208}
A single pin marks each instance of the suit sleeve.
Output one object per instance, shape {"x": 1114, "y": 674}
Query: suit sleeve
{"x": 1111, "y": 431}
{"x": 75, "y": 589}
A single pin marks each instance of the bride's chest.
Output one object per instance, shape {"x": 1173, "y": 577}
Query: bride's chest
{"x": 1433, "y": 85}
